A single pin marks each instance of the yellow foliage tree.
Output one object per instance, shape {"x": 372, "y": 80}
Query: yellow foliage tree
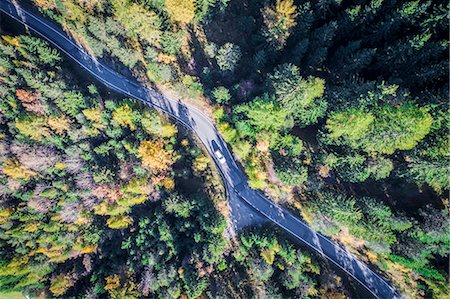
{"x": 60, "y": 284}
{"x": 139, "y": 21}
{"x": 286, "y": 13}
{"x": 112, "y": 282}
{"x": 45, "y": 4}
{"x": 169, "y": 130}
{"x": 268, "y": 255}
{"x": 90, "y": 5}
{"x": 182, "y": 11}
{"x": 59, "y": 124}
{"x": 89, "y": 249}
{"x": 129, "y": 291}
{"x": 119, "y": 222}
{"x": 123, "y": 115}
{"x": 13, "y": 41}
{"x": 94, "y": 115}
{"x": 105, "y": 208}
{"x": 74, "y": 12}
{"x": 200, "y": 163}
{"x": 134, "y": 193}
{"x": 279, "y": 20}
{"x": 154, "y": 156}
{"x": 168, "y": 183}
{"x": 15, "y": 170}
{"x": 33, "y": 127}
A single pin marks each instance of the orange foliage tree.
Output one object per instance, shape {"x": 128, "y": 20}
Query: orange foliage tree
{"x": 30, "y": 101}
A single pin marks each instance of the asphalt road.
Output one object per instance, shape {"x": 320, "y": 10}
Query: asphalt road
{"x": 191, "y": 117}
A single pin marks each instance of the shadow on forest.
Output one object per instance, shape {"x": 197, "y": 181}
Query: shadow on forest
{"x": 236, "y": 24}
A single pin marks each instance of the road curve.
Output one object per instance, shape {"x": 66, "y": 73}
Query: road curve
{"x": 191, "y": 117}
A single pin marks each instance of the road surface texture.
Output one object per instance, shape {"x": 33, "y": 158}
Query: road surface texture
{"x": 242, "y": 198}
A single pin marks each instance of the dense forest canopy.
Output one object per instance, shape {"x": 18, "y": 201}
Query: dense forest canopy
{"x": 107, "y": 198}
{"x": 337, "y": 109}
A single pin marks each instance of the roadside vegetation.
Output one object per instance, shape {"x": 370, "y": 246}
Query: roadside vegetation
{"x": 107, "y": 198}
{"x": 336, "y": 109}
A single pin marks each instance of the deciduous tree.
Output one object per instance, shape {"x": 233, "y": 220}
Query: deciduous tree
{"x": 15, "y": 170}
{"x": 279, "y": 20}
{"x": 182, "y": 11}
{"x": 123, "y": 115}
{"x": 33, "y": 127}
{"x": 155, "y": 156}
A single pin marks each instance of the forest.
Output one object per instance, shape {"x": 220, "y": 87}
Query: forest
{"x": 106, "y": 198}
{"x": 336, "y": 109}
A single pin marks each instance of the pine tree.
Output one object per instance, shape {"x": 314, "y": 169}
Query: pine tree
{"x": 228, "y": 57}
{"x": 319, "y": 43}
{"x": 221, "y": 95}
{"x": 301, "y": 98}
{"x": 386, "y": 130}
{"x": 349, "y": 60}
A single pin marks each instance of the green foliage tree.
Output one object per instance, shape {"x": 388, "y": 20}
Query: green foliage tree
{"x": 221, "y": 95}
{"x": 386, "y": 130}
{"x": 177, "y": 205}
{"x": 263, "y": 114}
{"x": 39, "y": 50}
{"x": 275, "y": 262}
{"x": 358, "y": 168}
{"x": 427, "y": 163}
{"x": 171, "y": 42}
{"x": 72, "y": 103}
{"x": 302, "y": 98}
{"x": 292, "y": 176}
{"x": 352, "y": 124}
{"x": 228, "y": 57}
{"x": 365, "y": 218}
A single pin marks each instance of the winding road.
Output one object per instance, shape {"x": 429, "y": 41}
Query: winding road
{"x": 191, "y": 117}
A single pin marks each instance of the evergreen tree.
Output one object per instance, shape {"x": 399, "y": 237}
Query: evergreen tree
{"x": 301, "y": 98}
{"x": 228, "y": 57}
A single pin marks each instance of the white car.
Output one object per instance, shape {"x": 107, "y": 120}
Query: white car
{"x": 220, "y": 156}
